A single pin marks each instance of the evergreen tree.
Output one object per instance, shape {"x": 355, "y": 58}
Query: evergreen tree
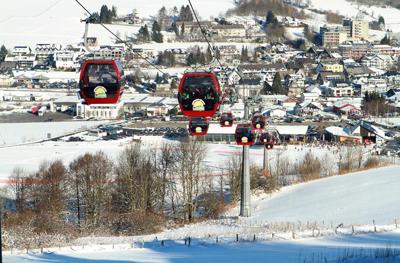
{"x": 386, "y": 40}
{"x": 209, "y": 55}
{"x": 217, "y": 53}
{"x": 202, "y": 58}
{"x": 244, "y": 55}
{"x": 175, "y": 29}
{"x": 190, "y": 60}
{"x": 381, "y": 20}
{"x": 271, "y": 19}
{"x": 3, "y": 53}
{"x": 175, "y": 13}
{"x": 174, "y": 84}
{"x": 114, "y": 11}
{"x": 277, "y": 84}
{"x": 144, "y": 34}
{"x": 183, "y": 29}
{"x": 162, "y": 15}
{"x": 156, "y": 33}
{"x": 106, "y": 15}
{"x": 186, "y": 14}
{"x": 189, "y": 14}
{"x": 197, "y": 55}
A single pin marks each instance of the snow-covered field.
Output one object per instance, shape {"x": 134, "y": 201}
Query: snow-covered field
{"x": 29, "y": 157}
{"x": 19, "y": 133}
{"x": 328, "y": 249}
{"x": 58, "y": 21}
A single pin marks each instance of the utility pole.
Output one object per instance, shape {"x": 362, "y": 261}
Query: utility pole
{"x": 1, "y": 234}
{"x": 245, "y": 208}
{"x": 265, "y": 163}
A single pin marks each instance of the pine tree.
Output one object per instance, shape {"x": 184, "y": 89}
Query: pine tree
{"x": 3, "y": 53}
{"x": 144, "y": 34}
{"x": 386, "y": 40}
{"x": 183, "y": 29}
{"x": 277, "y": 84}
{"x": 209, "y": 55}
{"x": 217, "y": 53}
{"x": 189, "y": 14}
{"x": 202, "y": 58}
{"x": 244, "y": 56}
{"x": 271, "y": 19}
{"x": 175, "y": 29}
{"x": 197, "y": 55}
{"x": 156, "y": 33}
{"x": 162, "y": 15}
{"x": 114, "y": 11}
{"x": 174, "y": 85}
{"x": 190, "y": 60}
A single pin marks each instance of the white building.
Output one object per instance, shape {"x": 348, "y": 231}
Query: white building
{"x": 382, "y": 62}
{"x": 229, "y": 31}
{"x": 341, "y": 90}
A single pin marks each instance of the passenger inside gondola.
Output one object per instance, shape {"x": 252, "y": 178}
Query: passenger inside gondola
{"x": 198, "y": 94}
{"x": 244, "y": 135}
{"x": 100, "y": 81}
{"x": 198, "y": 125}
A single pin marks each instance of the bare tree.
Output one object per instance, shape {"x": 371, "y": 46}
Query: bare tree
{"x": 91, "y": 177}
{"x": 189, "y": 169}
{"x": 48, "y": 196}
{"x": 18, "y": 180}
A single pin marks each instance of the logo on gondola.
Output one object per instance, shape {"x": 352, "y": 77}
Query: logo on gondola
{"x": 100, "y": 92}
{"x": 198, "y": 105}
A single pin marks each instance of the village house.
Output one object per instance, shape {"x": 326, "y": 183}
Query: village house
{"x": 229, "y": 32}
{"x": 382, "y": 62}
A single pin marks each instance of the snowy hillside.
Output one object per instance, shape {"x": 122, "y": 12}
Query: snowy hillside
{"x": 358, "y": 198}
{"x": 26, "y": 22}
{"x": 345, "y": 8}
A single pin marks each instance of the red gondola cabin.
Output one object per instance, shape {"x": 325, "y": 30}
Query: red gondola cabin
{"x": 198, "y": 126}
{"x": 244, "y": 135}
{"x": 258, "y": 122}
{"x": 268, "y": 140}
{"x": 226, "y": 119}
{"x": 100, "y": 81}
{"x": 198, "y": 94}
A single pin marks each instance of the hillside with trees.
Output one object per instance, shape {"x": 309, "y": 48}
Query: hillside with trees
{"x": 261, "y": 7}
{"x": 393, "y": 3}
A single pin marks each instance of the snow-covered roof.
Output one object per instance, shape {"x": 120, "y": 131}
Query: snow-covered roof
{"x": 215, "y": 128}
{"x": 67, "y": 99}
{"x": 338, "y": 131}
{"x": 292, "y": 130}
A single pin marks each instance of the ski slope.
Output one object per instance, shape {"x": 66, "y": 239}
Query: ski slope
{"x": 358, "y": 198}
{"x": 27, "y": 22}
